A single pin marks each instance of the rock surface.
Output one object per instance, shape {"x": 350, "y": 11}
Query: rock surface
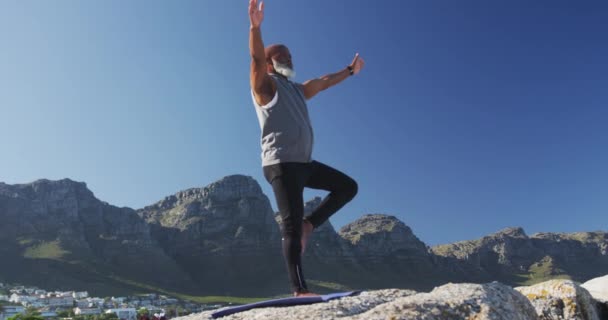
{"x": 561, "y": 299}
{"x": 550, "y": 300}
{"x": 57, "y": 234}
{"x": 598, "y": 288}
{"x": 452, "y": 301}
{"x": 510, "y": 252}
{"x": 458, "y": 301}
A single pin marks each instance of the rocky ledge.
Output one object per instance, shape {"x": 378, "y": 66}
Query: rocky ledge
{"x": 554, "y": 299}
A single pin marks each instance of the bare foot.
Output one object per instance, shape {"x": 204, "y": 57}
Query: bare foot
{"x": 305, "y": 294}
{"x": 307, "y": 229}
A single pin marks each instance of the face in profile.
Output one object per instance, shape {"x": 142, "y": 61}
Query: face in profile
{"x": 281, "y": 61}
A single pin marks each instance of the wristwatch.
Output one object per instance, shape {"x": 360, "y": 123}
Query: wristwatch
{"x": 350, "y": 70}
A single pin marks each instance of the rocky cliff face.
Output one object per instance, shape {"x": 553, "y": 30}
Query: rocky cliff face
{"x": 375, "y": 236}
{"x": 224, "y": 239}
{"x": 510, "y": 254}
{"x": 224, "y": 235}
{"x": 58, "y": 232}
{"x": 385, "y": 247}
{"x": 228, "y": 217}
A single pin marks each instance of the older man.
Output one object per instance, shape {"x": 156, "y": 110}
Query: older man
{"x": 287, "y": 143}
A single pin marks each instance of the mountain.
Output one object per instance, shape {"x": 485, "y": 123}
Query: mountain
{"x": 224, "y": 239}
{"x": 511, "y": 256}
{"x": 223, "y": 235}
{"x": 58, "y": 235}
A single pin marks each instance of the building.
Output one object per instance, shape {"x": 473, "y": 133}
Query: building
{"x": 96, "y": 301}
{"x": 87, "y": 311}
{"x": 65, "y": 294}
{"x": 59, "y": 301}
{"x": 152, "y": 309}
{"x": 48, "y": 313}
{"x": 22, "y": 299}
{"x": 83, "y": 303}
{"x": 9, "y": 311}
{"x": 35, "y": 304}
{"x": 145, "y": 302}
{"x": 124, "y": 313}
{"x": 80, "y": 295}
{"x": 118, "y": 299}
{"x": 169, "y": 301}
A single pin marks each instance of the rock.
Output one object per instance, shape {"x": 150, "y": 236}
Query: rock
{"x": 387, "y": 246}
{"x": 492, "y": 301}
{"x": 343, "y": 308}
{"x": 224, "y": 235}
{"x": 561, "y": 299}
{"x": 56, "y": 233}
{"x": 229, "y": 217}
{"x": 542, "y": 256}
{"x": 379, "y": 235}
{"x": 507, "y": 251}
{"x": 598, "y": 288}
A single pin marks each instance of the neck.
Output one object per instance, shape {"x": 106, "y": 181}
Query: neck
{"x": 278, "y": 74}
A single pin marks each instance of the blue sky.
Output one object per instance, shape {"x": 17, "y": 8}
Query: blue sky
{"x": 470, "y": 116}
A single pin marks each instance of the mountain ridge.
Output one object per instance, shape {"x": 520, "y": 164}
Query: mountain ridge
{"x": 224, "y": 238}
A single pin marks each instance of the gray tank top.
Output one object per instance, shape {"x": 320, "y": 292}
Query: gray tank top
{"x": 286, "y": 129}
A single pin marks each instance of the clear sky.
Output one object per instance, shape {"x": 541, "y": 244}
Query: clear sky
{"x": 469, "y": 116}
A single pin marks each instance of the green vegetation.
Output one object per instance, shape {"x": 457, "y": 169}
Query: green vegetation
{"x": 30, "y": 314}
{"x": 25, "y": 241}
{"x": 65, "y": 314}
{"x": 541, "y": 271}
{"x": 142, "y": 312}
{"x": 45, "y": 250}
{"x": 196, "y": 299}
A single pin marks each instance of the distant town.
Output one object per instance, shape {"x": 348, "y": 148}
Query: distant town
{"x": 18, "y": 300}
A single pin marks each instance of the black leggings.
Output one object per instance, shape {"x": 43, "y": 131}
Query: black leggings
{"x": 288, "y": 180}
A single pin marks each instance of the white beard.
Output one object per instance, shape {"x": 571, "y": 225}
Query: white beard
{"x": 283, "y": 69}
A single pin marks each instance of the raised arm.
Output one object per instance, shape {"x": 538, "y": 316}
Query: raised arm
{"x": 314, "y": 86}
{"x": 261, "y": 83}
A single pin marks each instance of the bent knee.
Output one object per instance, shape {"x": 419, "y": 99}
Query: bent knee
{"x": 351, "y": 189}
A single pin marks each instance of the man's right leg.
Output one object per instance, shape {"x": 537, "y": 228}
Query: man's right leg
{"x": 287, "y": 185}
{"x": 341, "y": 187}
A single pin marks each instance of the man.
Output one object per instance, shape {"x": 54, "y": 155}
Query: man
{"x": 287, "y": 141}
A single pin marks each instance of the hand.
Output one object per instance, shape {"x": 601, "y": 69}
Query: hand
{"x": 256, "y": 13}
{"x": 357, "y": 64}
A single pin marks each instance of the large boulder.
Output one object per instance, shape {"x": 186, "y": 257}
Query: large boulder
{"x": 343, "y": 308}
{"x": 561, "y": 299}
{"x": 598, "y": 287}
{"x": 493, "y": 301}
